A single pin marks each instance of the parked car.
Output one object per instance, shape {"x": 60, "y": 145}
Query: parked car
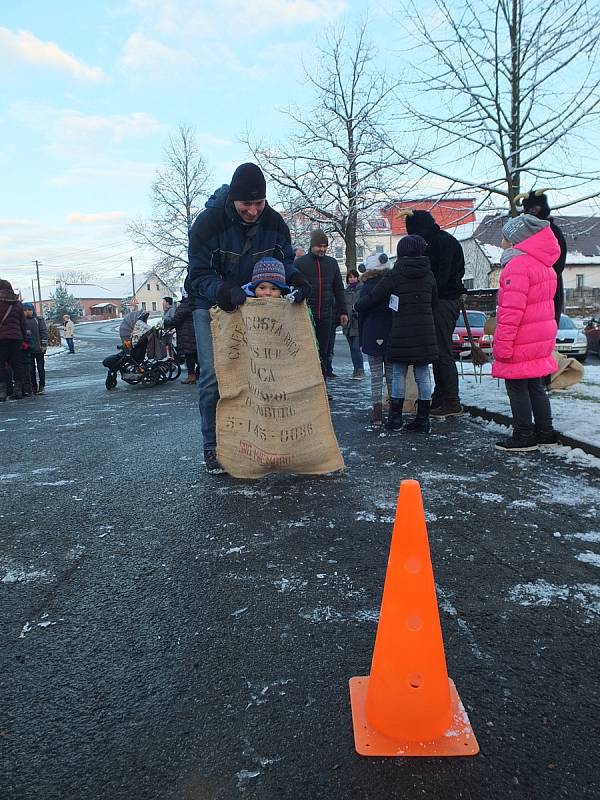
{"x": 592, "y": 333}
{"x": 460, "y": 339}
{"x": 570, "y": 341}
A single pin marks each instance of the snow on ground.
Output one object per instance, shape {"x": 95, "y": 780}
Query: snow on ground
{"x": 575, "y": 411}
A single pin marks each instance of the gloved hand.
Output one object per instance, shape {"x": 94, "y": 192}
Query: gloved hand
{"x": 24, "y": 346}
{"x": 299, "y": 291}
{"x": 228, "y": 298}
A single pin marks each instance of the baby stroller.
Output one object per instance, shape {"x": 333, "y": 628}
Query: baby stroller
{"x": 133, "y": 362}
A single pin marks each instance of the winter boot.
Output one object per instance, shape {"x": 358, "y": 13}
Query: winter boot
{"x": 377, "y": 414}
{"x": 546, "y": 437}
{"x": 3, "y": 391}
{"x": 191, "y": 378}
{"x": 519, "y": 442}
{"x": 394, "y": 420}
{"x": 18, "y": 391}
{"x": 420, "y": 424}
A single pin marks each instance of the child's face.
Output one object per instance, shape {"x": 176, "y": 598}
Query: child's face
{"x": 352, "y": 280}
{"x": 267, "y": 290}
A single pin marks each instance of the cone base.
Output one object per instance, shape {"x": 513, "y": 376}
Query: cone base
{"x": 458, "y": 740}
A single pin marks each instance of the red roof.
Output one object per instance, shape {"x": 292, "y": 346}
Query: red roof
{"x": 447, "y": 213}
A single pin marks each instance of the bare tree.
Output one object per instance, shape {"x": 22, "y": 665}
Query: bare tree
{"x": 75, "y": 276}
{"x": 507, "y": 92}
{"x": 337, "y": 164}
{"x": 177, "y": 195}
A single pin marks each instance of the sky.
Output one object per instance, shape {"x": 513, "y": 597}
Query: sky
{"x": 90, "y": 92}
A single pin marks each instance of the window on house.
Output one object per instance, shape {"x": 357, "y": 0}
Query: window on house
{"x": 158, "y": 287}
{"x": 153, "y": 306}
{"x": 339, "y": 253}
{"x": 360, "y": 251}
{"x": 579, "y": 281}
{"x": 148, "y": 286}
{"x": 468, "y": 283}
{"x": 143, "y": 306}
{"x": 379, "y": 248}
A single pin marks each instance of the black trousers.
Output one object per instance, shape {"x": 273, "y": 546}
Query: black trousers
{"x": 11, "y": 357}
{"x": 323, "y": 331}
{"x": 191, "y": 360}
{"x": 528, "y": 398}
{"x": 445, "y": 373}
{"x": 37, "y": 361}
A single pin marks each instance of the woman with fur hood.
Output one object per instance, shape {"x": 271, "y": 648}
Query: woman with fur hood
{"x": 374, "y": 324}
{"x": 13, "y": 340}
{"x": 525, "y": 335}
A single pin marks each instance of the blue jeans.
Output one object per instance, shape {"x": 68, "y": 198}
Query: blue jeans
{"x": 208, "y": 390}
{"x": 356, "y": 353}
{"x": 70, "y": 345}
{"x": 422, "y": 378}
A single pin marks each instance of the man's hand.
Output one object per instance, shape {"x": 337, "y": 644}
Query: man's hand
{"x": 297, "y": 294}
{"x": 228, "y": 299}
{"x": 344, "y": 320}
{"x": 24, "y": 346}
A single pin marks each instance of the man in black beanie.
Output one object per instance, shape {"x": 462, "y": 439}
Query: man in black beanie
{"x": 236, "y": 229}
{"x": 327, "y": 296}
{"x": 537, "y": 205}
{"x": 448, "y": 266}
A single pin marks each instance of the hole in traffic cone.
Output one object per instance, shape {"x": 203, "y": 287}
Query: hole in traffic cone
{"x": 408, "y": 706}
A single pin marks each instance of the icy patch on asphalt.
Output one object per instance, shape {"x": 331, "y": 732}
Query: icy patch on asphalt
{"x": 329, "y": 614}
{"x": 544, "y": 594}
{"x": 446, "y": 605}
{"x": 589, "y": 558}
{"x": 592, "y": 536}
{"x": 522, "y": 504}
{"x": 292, "y": 584}
{"x": 10, "y": 476}
{"x": 490, "y": 497}
{"x": 574, "y": 455}
{"x": 16, "y": 573}
{"x": 568, "y": 491}
{"x": 54, "y": 483}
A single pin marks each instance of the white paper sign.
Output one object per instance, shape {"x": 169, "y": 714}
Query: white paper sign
{"x": 393, "y": 302}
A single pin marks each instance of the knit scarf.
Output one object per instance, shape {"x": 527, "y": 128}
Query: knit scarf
{"x": 510, "y": 252}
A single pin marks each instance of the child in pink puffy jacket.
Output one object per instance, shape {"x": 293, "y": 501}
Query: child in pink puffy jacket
{"x": 525, "y": 335}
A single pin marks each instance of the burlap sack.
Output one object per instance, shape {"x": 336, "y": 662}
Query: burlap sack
{"x": 569, "y": 372}
{"x": 273, "y": 414}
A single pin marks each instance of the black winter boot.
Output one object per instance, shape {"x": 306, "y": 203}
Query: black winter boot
{"x": 3, "y": 391}
{"x": 420, "y": 424}
{"x": 18, "y": 391}
{"x": 394, "y": 420}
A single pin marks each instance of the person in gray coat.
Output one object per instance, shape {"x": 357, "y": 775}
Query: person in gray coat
{"x": 37, "y": 339}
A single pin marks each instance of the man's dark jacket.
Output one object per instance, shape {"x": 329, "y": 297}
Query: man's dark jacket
{"x": 323, "y": 274}
{"x": 223, "y": 248}
{"x": 445, "y": 255}
{"x": 558, "y": 267}
{"x": 37, "y": 333}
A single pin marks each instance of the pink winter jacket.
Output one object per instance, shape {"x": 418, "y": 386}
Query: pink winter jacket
{"x": 525, "y": 335}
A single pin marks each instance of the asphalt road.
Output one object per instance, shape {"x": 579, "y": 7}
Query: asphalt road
{"x": 168, "y": 635}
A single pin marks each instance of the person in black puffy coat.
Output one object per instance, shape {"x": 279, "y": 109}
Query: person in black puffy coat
{"x": 410, "y": 291}
{"x": 183, "y": 322}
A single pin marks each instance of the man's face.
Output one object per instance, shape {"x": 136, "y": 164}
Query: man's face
{"x": 165, "y": 305}
{"x": 65, "y": 319}
{"x": 249, "y": 210}
{"x": 267, "y": 290}
{"x": 28, "y": 312}
{"x": 319, "y": 250}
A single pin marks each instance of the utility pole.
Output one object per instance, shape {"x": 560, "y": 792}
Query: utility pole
{"x": 33, "y": 292}
{"x": 37, "y": 270}
{"x": 132, "y": 281}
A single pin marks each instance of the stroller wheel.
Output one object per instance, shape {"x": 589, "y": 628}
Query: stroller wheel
{"x": 174, "y": 369}
{"x": 111, "y": 380}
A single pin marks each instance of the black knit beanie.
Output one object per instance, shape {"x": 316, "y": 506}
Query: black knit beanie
{"x": 248, "y": 183}
{"x": 419, "y": 222}
{"x": 411, "y": 245}
{"x": 318, "y": 237}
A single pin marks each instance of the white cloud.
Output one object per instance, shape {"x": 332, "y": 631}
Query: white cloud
{"x": 23, "y": 48}
{"x": 150, "y": 55}
{"x": 98, "y": 218}
{"x": 117, "y": 173}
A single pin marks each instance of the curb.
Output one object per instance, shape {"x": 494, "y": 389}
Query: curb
{"x": 502, "y": 419}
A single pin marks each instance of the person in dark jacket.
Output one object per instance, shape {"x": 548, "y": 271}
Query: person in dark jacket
{"x": 37, "y": 339}
{"x": 351, "y": 331}
{"x": 536, "y": 204}
{"x": 448, "y": 266}
{"x": 13, "y": 341}
{"x": 410, "y": 291}
{"x": 374, "y": 324}
{"x": 183, "y": 321}
{"x": 236, "y": 229}
{"x": 323, "y": 274}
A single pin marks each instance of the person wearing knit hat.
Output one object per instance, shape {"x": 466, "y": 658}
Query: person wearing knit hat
{"x": 448, "y": 266}
{"x": 537, "y": 205}
{"x": 525, "y": 334}
{"x": 236, "y": 229}
{"x": 409, "y": 290}
{"x": 326, "y": 299}
{"x": 268, "y": 279}
{"x": 37, "y": 339}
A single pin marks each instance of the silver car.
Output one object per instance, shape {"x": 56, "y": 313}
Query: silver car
{"x": 570, "y": 341}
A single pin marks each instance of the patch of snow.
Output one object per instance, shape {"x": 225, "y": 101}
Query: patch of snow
{"x": 544, "y": 594}
{"x": 589, "y": 558}
{"x": 490, "y": 497}
{"x": 592, "y": 536}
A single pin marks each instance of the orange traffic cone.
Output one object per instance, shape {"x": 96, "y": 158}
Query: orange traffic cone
{"x": 408, "y": 706}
